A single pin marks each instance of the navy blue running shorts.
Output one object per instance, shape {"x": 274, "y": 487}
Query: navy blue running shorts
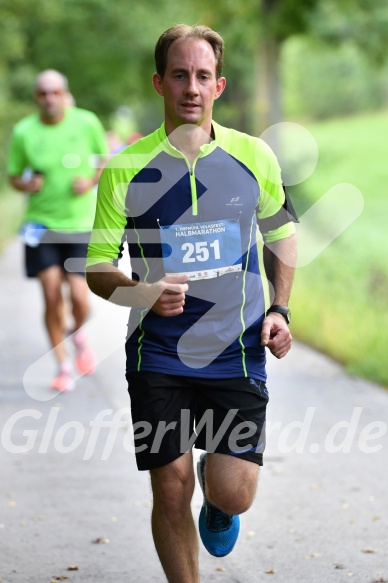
{"x": 172, "y": 413}
{"x": 54, "y": 249}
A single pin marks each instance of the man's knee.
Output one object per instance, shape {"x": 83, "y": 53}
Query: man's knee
{"x": 232, "y": 501}
{"x": 51, "y": 281}
{"x": 172, "y": 488}
{"x": 231, "y": 486}
{"x": 79, "y": 292}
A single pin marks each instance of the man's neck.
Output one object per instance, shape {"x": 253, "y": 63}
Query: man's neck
{"x": 51, "y": 120}
{"x": 188, "y": 139}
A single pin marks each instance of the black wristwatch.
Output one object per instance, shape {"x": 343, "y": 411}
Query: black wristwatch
{"x": 283, "y": 310}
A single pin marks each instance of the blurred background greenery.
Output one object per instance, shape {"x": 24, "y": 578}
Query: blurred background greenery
{"x": 319, "y": 63}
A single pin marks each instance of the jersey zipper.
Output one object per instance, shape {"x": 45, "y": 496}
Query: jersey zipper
{"x": 193, "y": 187}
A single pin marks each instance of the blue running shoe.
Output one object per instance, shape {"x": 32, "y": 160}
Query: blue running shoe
{"x": 219, "y": 531}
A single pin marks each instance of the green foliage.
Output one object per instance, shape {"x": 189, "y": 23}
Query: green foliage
{"x": 106, "y": 49}
{"x": 365, "y": 22}
{"x": 321, "y": 81}
{"x": 285, "y": 18}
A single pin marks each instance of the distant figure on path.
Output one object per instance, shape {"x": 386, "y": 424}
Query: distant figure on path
{"x": 49, "y": 160}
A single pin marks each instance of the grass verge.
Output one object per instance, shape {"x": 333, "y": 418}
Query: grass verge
{"x": 12, "y": 206}
{"x": 340, "y": 300}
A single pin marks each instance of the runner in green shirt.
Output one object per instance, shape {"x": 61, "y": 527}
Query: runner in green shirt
{"x": 55, "y": 158}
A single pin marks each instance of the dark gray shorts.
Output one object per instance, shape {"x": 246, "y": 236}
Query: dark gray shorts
{"x": 172, "y": 413}
{"x": 55, "y": 249}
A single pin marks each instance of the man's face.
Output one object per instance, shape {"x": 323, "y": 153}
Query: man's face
{"x": 189, "y": 85}
{"x": 51, "y": 95}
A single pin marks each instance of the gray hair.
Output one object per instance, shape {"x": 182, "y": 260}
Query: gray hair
{"x": 52, "y": 73}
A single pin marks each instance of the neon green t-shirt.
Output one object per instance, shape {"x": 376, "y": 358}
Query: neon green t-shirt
{"x": 62, "y": 152}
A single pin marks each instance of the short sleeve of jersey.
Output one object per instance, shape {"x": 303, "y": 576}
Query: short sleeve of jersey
{"x": 111, "y": 215}
{"x": 98, "y": 136}
{"x": 258, "y": 157}
{"x": 110, "y": 219}
{"x": 272, "y": 196}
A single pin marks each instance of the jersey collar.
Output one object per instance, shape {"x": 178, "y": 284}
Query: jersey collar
{"x": 205, "y": 150}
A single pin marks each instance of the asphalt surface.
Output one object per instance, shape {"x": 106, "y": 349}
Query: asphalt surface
{"x": 74, "y": 507}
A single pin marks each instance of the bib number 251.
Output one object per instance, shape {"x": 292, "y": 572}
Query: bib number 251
{"x": 200, "y": 251}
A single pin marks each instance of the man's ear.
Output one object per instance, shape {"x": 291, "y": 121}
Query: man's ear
{"x": 157, "y": 82}
{"x": 220, "y": 86}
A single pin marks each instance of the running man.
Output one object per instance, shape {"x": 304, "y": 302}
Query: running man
{"x": 49, "y": 160}
{"x": 206, "y": 219}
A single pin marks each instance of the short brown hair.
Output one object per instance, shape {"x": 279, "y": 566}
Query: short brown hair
{"x": 183, "y": 31}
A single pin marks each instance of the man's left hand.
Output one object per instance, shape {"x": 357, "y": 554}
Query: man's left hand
{"x": 276, "y": 335}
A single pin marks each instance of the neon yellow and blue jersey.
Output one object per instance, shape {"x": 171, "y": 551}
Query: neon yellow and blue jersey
{"x": 211, "y": 220}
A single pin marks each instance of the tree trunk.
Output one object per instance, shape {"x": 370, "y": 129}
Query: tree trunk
{"x": 267, "y": 101}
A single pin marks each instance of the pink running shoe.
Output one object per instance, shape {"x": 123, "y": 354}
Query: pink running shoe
{"x": 85, "y": 361}
{"x": 64, "y": 381}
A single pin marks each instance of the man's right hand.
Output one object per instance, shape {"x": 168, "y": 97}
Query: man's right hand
{"x": 166, "y": 297}
{"x": 31, "y": 186}
{"x": 34, "y": 185}
{"x": 171, "y": 295}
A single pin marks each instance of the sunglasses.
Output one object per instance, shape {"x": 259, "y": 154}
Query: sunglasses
{"x": 42, "y": 93}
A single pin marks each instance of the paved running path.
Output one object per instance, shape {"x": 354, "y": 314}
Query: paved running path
{"x": 321, "y": 513}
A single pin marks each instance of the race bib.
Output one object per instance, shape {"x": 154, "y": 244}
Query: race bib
{"x": 202, "y": 250}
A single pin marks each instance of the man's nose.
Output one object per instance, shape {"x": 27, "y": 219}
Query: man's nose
{"x": 192, "y": 85}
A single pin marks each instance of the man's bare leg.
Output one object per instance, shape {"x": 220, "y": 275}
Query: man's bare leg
{"x": 173, "y": 528}
{"x": 51, "y": 280}
{"x": 79, "y": 296}
{"x": 231, "y": 482}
